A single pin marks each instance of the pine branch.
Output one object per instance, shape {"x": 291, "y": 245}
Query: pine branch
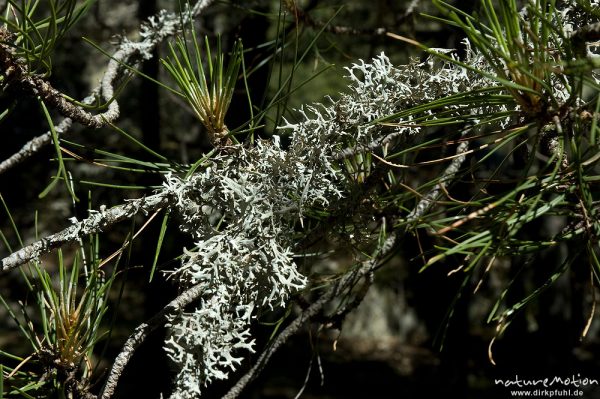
{"x": 587, "y": 33}
{"x": 17, "y": 76}
{"x": 158, "y": 28}
{"x": 97, "y": 222}
{"x": 429, "y": 199}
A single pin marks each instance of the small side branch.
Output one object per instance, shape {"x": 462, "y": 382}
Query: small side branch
{"x": 97, "y": 222}
{"x": 582, "y": 36}
{"x": 34, "y": 145}
{"x": 429, "y": 199}
{"x": 18, "y": 75}
{"x": 141, "y": 333}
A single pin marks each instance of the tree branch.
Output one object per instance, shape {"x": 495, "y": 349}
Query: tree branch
{"x": 141, "y": 333}
{"x": 16, "y": 73}
{"x": 158, "y": 28}
{"x": 587, "y": 33}
{"x": 429, "y": 199}
{"x": 97, "y": 222}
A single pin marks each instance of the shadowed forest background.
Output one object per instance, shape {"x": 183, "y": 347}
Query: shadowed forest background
{"x": 415, "y": 334}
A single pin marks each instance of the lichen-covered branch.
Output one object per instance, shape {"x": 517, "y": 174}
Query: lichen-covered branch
{"x": 333, "y": 292}
{"x": 243, "y": 207}
{"x": 35, "y": 145}
{"x": 153, "y": 32}
{"x": 97, "y": 222}
{"x": 587, "y": 33}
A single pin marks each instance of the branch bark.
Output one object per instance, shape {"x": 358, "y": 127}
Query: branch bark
{"x": 97, "y": 222}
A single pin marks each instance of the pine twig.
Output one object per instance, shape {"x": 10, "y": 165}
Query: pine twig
{"x": 429, "y": 199}
{"x": 97, "y": 222}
